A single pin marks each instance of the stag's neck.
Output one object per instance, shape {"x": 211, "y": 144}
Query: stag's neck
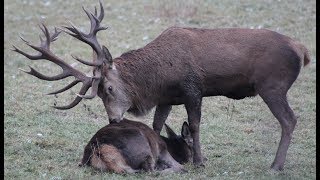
{"x": 138, "y": 70}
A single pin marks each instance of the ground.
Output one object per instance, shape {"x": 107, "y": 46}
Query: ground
{"x": 239, "y": 138}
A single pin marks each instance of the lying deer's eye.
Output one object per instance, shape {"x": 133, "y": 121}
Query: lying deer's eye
{"x": 110, "y": 88}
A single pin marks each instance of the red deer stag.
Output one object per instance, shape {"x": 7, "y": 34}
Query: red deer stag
{"x": 130, "y": 146}
{"x": 181, "y": 66}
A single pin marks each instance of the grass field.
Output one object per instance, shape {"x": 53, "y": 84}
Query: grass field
{"x": 239, "y": 138}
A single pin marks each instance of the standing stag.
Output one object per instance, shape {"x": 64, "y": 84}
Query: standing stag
{"x": 181, "y": 66}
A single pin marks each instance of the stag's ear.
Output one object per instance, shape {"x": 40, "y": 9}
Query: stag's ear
{"x": 170, "y": 132}
{"x": 185, "y": 131}
{"x": 108, "y": 56}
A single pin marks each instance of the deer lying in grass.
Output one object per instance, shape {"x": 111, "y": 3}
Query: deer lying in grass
{"x": 181, "y": 66}
{"x": 130, "y": 146}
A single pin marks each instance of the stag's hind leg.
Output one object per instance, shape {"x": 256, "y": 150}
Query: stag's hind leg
{"x": 278, "y": 104}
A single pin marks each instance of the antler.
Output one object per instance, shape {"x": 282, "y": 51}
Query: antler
{"x": 91, "y": 37}
{"x": 103, "y": 54}
{"x": 45, "y": 53}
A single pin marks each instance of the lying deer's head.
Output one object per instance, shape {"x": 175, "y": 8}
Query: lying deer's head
{"x": 105, "y": 81}
{"x": 180, "y": 146}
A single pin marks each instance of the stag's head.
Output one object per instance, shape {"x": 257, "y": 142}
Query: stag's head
{"x": 105, "y": 81}
{"x": 113, "y": 94}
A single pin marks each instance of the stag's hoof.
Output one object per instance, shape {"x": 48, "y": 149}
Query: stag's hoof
{"x": 183, "y": 171}
{"x": 205, "y": 159}
{"x": 80, "y": 164}
{"x": 199, "y": 165}
{"x": 277, "y": 167}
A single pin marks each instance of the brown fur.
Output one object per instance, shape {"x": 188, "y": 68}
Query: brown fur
{"x": 182, "y": 65}
{"x": 129, "y": 147}
{"x": 107, "y": 157}
{"x": 152, "y": 75}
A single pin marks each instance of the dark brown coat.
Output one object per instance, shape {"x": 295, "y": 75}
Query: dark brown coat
{"x": 130, "y": 146}
{"x": 182, "y": 65}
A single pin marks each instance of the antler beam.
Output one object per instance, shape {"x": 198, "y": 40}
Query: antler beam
{"x": 44, "y": 52}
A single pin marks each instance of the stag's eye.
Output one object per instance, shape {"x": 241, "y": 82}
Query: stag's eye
{"x": 110, "y": 88}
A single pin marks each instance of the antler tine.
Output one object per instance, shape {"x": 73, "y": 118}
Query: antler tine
{"x": 93, "y": 21}
{"x": 97, "y": 21}
{"x": 49, "y": 38}
{"x": 101, "y": 11}
{"x": 85, "y": 62}
{"x": 41, "y": 40}
{"x": 95, "y": 11}
{"x": 73, "y": 83}
{"x": 86, "y": 38}
{"x": 73, "y": 104}
{"x": 27, "y": 42}
{"x": 35, "y": 73}
{"x": 82, "y": 91}
{"x": 45, "y": 31}
{"x": 72, "y": 33}
{"x": 31, "y": 57}
{"x": 94, "y": 90}
{"x": 76, "y": 32}
{"x": 55, "y": 35}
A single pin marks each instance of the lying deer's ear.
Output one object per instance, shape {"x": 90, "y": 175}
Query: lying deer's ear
{"x": 170, "y": 132}
{"x": 107, "y": 55}
{"x": 185, "y": 131}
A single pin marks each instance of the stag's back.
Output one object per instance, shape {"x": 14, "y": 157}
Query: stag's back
{"x": 225, "y": 59}
{"x": 223, "y": 47}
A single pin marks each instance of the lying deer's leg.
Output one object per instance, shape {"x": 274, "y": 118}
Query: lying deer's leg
{"x": 193, "y": 107}
{"x": 149, "y": 164}
{"x": 160, "y": 116}
{"x": 167, "y": 160}
{"x": 277, "y": 103}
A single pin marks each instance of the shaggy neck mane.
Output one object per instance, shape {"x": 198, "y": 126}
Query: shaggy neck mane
{"x": 139, "y": 70}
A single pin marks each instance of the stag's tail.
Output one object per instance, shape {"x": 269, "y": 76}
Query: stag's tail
{"x": 306, "y": 56}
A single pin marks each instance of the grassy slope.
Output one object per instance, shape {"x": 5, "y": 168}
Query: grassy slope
{"x": 238, "y": 137}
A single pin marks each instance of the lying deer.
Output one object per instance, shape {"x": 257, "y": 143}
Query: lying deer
{"x": 130, "y": 146}
{"x": 181, "y": 66}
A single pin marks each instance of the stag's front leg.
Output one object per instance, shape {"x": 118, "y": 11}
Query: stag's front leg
{"x": 160, "y": 116}
{"x": 193, "y": 107}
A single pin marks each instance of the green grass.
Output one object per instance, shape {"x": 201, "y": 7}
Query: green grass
{"x": 239, "y": 138}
